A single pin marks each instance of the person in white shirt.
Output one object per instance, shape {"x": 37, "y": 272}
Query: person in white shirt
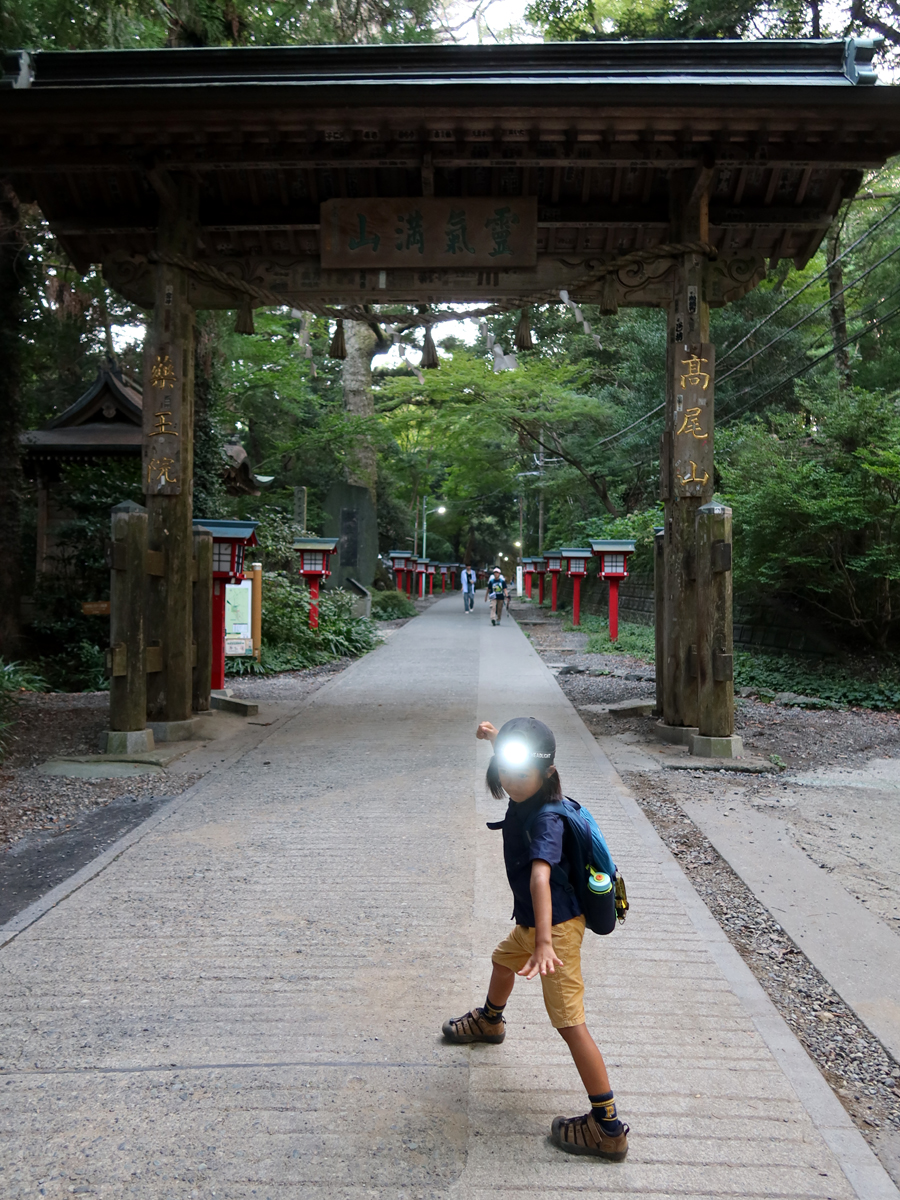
{"x": 467, "y": 583}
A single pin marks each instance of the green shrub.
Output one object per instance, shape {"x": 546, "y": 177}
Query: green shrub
{"x": 14, "y": 678}
{"x": 392, "y": 606}
{"x": 288, "y": 644}
{"x": 858, "y": 682}
{"x": 81, "y": 669}
{"x": 638, "y": 640}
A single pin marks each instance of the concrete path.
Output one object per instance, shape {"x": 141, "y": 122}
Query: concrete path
{"x": 246, "y": 999}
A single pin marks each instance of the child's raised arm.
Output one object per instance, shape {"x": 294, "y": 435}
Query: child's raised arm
{"x": 486, "y": 732}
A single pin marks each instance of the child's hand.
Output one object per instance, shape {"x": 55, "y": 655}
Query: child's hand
{"x": 543, "y": 962}
{"x": 486, "y": 732}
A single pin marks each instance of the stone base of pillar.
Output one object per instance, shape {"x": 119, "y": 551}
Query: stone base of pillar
{"x": 176, "y": 731}
{"x": 676, "y": 735}
{"x": 717, "y": 747}
{"x": 118, "y": 741}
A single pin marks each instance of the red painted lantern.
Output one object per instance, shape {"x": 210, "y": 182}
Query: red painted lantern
{"x": 613, "y": 557}
{"x": 444, "y": 569}
{"x": 314, "y": 553}
{"x": 230, "y": 540}
{"x": 431, "y": 568}
{"x": 527, "y": 569}
{"x": 577, "y": 559}
{"x": 411, "y": 565}
{"x": 539, "y": 566}
{"x": 399, "y": 560}
{"x": 553, "y": 559}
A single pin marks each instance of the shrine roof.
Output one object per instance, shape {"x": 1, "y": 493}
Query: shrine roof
{"x": 716, "y": 62}
{"x": 91, "y": 438}
{"x": 588, "y": 144}
{"x": 110, "y": 395}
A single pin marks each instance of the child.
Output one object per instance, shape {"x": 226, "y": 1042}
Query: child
{"x": 549, "y": 927}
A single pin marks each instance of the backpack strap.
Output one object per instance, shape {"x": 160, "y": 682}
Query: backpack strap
{"x": 495, "y": 824}
{"x": 556, "y": 871}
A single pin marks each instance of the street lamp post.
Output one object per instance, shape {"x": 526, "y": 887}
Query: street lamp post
{"x": 425, "y": 511}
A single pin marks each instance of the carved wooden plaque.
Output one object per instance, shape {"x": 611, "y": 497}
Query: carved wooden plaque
{"x": 494, "y": 232}
{"x": 692, "y": 431}
{"x": 162, "y": 439}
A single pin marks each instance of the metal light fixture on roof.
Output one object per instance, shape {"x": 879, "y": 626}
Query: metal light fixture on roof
{"x": 613, "y": 555}
{"x": 577, "y": 562}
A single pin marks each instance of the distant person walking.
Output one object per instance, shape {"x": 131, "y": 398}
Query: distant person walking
{"x": 496, "y": 593}
{"x": 467, "y": 583}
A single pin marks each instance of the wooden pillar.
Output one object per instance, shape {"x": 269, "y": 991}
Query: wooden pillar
{"x": 43, "y": 507}
{"x": 659, "y": 611}
{"x": 687, "y": 449}
{"x": 168, "y": 458}
{"x": 256, "y": 572}
{"x": 202, "y": 620}
{"x": 127, "y": 658}
{"x": 715, "y": 630}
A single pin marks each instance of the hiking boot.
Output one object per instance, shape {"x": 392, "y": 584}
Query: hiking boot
{"x": 582, "y": 1135}
{"x": 474, "y": 1027}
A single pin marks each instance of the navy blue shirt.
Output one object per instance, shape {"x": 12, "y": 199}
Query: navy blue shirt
{"x": 518, "y": 853}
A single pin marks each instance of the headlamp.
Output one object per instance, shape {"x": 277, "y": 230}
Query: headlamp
{"x": 514, "y": 753}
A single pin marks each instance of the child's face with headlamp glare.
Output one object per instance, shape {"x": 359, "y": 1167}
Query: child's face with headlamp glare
{"x": 520, "y": 773}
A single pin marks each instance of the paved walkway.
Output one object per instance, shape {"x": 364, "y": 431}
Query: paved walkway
{"x": 246, "y": 1000}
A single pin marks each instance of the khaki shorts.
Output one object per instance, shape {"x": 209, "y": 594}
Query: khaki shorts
{"x": 564, "y": 989}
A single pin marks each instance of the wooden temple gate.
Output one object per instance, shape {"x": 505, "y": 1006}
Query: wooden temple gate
{"x": 329, "y": 179}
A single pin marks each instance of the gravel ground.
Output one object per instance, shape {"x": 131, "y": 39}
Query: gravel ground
{"x": 830, "y": 824}
{"x": 53, "y": 724}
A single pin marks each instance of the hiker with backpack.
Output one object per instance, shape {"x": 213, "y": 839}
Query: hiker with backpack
{"x": 563, "y": 880}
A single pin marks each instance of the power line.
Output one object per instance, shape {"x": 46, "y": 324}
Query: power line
{"x": 870, "y": 328}
{"x": 809, "y": 315}
{"x": 834, "y": 349}
{"x": 809, "y": 283}
{"x": 619, "y": 432}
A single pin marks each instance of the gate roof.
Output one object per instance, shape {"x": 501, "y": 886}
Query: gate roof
{"x": 593, "y": 133}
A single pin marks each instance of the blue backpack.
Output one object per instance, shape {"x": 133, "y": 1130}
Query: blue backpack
{"x": 586, "y": 849}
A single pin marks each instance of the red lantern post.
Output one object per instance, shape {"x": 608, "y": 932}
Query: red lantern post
{"x": 411, "y": 565}
{"x": 314, "y": 554}
{"x": 431, "y": 573}
{"x": 613, "y": 557}
{"x": 445, "y": 570}
{"x": 540, "y": 568}
{"x": 554, "y": 566}
{"x": 230, "y": 540}
{"x": 399, "y": 559}
{"x": 527, "y": 568}
{"x": 577, "y": 560}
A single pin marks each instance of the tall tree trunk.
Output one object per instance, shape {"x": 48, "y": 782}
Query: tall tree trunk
{"x": 837, "y": 308}
{"x": 356, "y": 382}
{"x": 13, "y": 268}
